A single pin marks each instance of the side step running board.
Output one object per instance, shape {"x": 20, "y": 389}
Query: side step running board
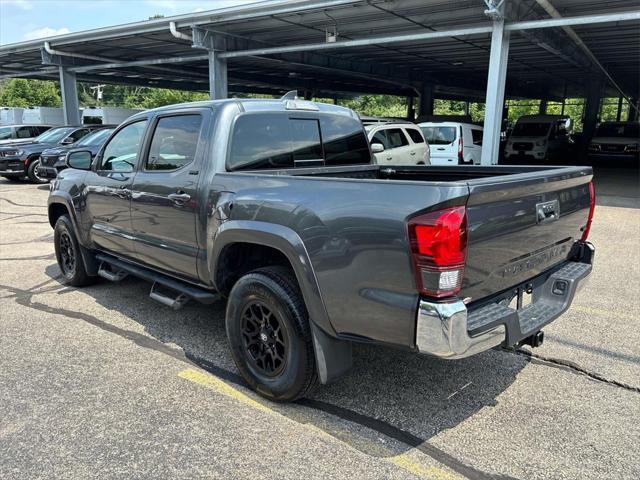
{"x": 110, "y": 275}
{"x": 179, "y": 287}
{"x": 176, "y": 302}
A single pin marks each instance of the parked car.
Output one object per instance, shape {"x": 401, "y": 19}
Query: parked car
{"x": 539, "y": 137}
{"x": 23, "y": 160}
{"x": 276, "y": 206}
{"x": 453, "y": 143}
{"x": 397, "y": 144}
{"x": 52, "y": 160}
{"x": 616, "y": 140}
{"x": 17, "y": 134}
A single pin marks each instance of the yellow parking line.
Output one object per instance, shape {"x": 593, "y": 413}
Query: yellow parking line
{"x": 403, "y": 460}
{"x": 218, "y": 385}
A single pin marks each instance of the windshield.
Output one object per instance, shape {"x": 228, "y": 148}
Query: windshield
{"x": 54, "y": 135}
{"x": 531, "y": 129}
{"x": 95, "y": 138}
{"x": 5, "y": 132}
{"x": 622, "y": 130}
{"x": 439, "y": 135}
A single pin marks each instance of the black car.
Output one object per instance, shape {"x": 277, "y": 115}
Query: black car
{"x": 23, "y": 160}
{"x": 52, "y": 160}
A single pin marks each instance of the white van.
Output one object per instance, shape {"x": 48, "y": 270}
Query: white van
{"x": 539, "y": 137}
{"x": 453, "y": 143}
{"x": 397, "y": 144}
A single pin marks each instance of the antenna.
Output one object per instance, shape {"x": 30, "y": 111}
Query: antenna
{"x": 292, "y": 95}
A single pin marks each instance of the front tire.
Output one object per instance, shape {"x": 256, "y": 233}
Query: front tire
{"x": 269, "y": 334}
{"x": 32, "y": 172}
{"x": 68, "y": 254}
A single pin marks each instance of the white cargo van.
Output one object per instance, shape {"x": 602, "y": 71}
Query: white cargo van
{"x": 539, "y": 137}
{"x": 453, "y": 143}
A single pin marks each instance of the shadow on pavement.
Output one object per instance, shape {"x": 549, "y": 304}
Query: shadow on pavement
{"x": 399, "y": 394}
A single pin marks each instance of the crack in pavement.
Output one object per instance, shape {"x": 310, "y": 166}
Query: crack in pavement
{"x": 20, "y": 204}
{"x": 24, "y": 297}
{"x": 570, "y": 366}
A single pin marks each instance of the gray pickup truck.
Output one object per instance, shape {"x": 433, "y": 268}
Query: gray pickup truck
{"x": 275, "y": 206}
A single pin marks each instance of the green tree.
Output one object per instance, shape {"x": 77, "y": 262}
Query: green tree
{"x": 22, "y": 92}
{"x": 158, "y": 97}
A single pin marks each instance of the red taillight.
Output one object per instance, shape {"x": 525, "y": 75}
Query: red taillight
{"x": 592, "y": 208}
{"x": 438, "y": 242}
{"x": 460, "y": 150}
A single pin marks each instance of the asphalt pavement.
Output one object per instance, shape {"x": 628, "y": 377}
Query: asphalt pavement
{"x": 103, "y": 382}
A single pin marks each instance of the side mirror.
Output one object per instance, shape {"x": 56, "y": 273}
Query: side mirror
{"x": 80, "y": 160}
{"x": 67, "y": 141}
{"x": 377, "y": 147}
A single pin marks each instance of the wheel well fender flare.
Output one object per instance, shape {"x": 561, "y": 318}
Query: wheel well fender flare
{"x": 287, "y": 242}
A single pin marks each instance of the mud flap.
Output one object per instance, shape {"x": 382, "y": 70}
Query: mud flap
{"x": 333, "y": 356}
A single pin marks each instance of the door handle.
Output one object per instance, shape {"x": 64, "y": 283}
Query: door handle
{"x": 389, "y": 158}
{"x": 413, "y": 153}
{"x": 441, "y": 148}
{"x": 179, "y": 198}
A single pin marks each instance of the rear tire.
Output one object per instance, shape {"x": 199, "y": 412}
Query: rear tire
{"x": 68, "y": 254}
{"x": 269, "y": 334}
{"x": 32, "y": 172}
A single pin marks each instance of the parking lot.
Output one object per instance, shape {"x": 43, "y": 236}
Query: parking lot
{"x": 105, "y": 382}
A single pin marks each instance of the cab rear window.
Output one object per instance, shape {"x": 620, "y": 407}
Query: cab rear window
{"x": 282, "y": 140}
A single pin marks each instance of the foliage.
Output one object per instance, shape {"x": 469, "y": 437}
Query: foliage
{"x": 157, "y": 97}
{"x": 20, "y": 92}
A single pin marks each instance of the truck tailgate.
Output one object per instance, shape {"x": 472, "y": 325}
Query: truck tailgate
{"x": 521, "y": 225}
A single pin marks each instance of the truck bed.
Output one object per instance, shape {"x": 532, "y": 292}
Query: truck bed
{"x": 353, "y": 221}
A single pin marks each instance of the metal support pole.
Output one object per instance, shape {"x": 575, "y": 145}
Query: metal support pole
{"x": 218, "y": 85}
{"x": 619, "y": 111}
{"x": 411, "y": 114}
{"x": 495, "y": 93}
{"x": 215, "y": 45}
{"x": 466, "y": 107}
{"x": 69, "y": 90}
{"x": 426, "y": 100}
{"x": 632, "y": 116}
{"x": 592, "y": 108}
{"x": 543, "y": 106}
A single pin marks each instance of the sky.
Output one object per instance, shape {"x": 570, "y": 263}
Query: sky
{"x": 22, "y": 20}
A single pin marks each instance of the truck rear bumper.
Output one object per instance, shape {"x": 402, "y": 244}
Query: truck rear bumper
{"x": 451, "y": 331}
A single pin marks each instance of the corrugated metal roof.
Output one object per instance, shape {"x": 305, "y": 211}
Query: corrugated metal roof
{"x": 542, "y": 63}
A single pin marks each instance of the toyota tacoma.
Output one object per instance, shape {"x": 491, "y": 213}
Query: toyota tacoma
{"x": 275, "y": 206}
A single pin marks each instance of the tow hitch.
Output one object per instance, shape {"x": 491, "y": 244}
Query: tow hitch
{"x": 534, "y": 340}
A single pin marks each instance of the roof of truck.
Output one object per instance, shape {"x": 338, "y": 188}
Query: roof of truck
{"x": 261, "y": 104}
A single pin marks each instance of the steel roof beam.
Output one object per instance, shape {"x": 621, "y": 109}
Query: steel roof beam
{"x": 460, "y": 32}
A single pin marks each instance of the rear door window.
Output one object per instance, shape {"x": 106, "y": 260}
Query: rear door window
{"x": 174, "y": 142}
{"x": 23, "y": 132}
{"x": 416, "y": 136}
{"x": 477, "y": 136}
{"x": 396, "y": 138}
{"x": 439, "y": 135}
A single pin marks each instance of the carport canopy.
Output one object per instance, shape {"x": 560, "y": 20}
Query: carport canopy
{"x": 458, "y": 49}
